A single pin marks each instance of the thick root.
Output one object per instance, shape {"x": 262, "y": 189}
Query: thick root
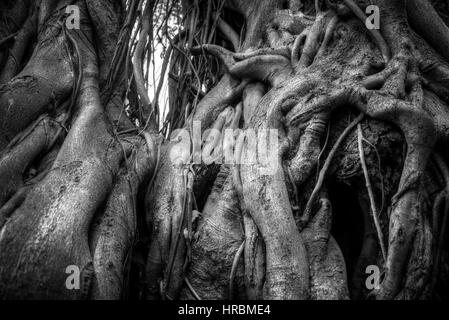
{"x": 215, "y": 244}
{"x": 328, "y": 277}
{"x": 113, "y": 231}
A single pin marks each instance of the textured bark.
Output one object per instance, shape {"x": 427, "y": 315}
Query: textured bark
{"x": 93, "y": 175}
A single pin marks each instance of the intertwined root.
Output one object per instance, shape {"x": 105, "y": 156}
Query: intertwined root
{"x": 276, "y": 225}
{"x": 394, "y": 95}
{"x": 326, "y": 262}
{"x": 400, "y": 101}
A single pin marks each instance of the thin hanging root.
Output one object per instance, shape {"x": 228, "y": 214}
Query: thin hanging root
{"x": 235, "y": 264}
{"x": 308, "y": 209}
{"x": 417, "y": 271}
{"x": 192, "y": 290}
{"x": 228, "y": 139}
{"x": 380, "y": 41}
{"x": 370, "y": 193}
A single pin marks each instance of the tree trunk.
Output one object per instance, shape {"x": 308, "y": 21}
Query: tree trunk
{"x": 298, "y": 148}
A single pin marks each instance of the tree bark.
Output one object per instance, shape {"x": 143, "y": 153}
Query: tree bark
{"x": 97, "y": 176}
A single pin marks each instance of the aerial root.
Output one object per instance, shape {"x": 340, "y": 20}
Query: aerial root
{"x": 369, "y": 188}
{"x": 427, "y": 22}
{"x": 308, "y": 209}
{"x": 272, "y": 67}
{"x": 312, "y": 43}
{"x": 114, "y": 228}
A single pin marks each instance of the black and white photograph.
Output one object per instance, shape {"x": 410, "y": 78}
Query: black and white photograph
{"x": 245, "y": 152}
